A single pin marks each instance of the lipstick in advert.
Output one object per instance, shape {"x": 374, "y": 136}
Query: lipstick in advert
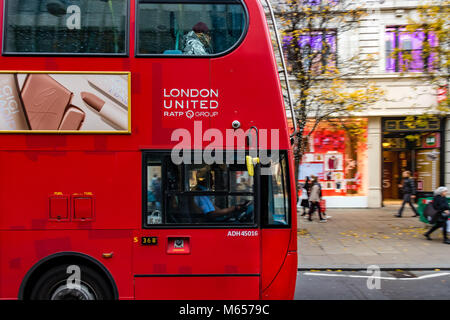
{"x": 115, "y": 88}
{"x": 110, "y": 113}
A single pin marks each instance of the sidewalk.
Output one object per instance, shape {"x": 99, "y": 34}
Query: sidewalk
{"x": 357, "y": 238}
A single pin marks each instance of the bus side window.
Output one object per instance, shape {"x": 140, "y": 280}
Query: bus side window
{"x": 278, "y": 193}
{"x": 81, "y": 27}
{"x": 200, "y": 28}
{"x": 154, "y": 195}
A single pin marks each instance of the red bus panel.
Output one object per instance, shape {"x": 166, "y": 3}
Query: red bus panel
{"x": 81, "y": 198}
{"x": 198, "y": 288}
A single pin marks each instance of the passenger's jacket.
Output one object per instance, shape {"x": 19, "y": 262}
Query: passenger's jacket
{"x": 193, "y": 45}
{"x": 409, "y": 187}
{"x": 440, "y": 204}
{"x": 315, "y": 193}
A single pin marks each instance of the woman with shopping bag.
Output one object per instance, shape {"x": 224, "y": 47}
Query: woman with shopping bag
{"x": 442, "y": 208}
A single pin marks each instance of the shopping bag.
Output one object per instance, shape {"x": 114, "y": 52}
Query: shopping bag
{"x": 323, "y": 206}
{"x": 430, "y": 213}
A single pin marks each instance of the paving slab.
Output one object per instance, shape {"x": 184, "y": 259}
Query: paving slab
{"x": 357, "y": 238}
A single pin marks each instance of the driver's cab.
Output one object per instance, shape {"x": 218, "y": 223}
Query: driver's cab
{"x": 203, "y": 193}
{"x": 220, "y": 192}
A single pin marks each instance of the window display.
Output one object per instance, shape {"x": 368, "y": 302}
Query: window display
{"x": 337, "y": 155}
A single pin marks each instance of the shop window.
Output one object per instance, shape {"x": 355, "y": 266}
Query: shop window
{"x": 81, "y": 27}
{"x": 200, "y": 28}
{"x": 410, "y": 52}
{"x": 337, "y": 155}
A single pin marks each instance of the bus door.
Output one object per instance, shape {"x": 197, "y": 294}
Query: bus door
{"x": 278, "y": 262}
{"x": 200, "y": 237}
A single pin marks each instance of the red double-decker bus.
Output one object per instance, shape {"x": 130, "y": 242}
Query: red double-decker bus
{"x": 144, "y": 152}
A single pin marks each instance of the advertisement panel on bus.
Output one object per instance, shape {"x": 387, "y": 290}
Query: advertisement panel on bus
{"x": 64, "y": 102}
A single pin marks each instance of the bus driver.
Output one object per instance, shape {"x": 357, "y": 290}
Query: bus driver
{"x": 206, "y": 205}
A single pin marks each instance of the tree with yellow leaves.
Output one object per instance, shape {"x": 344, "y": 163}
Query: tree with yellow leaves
{"x": 327, "y": 86}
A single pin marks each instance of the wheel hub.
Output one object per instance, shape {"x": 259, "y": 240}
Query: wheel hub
{"x": 81, "y": 292}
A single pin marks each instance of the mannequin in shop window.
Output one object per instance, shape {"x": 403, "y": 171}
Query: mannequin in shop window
{"x": 332, "y": 163}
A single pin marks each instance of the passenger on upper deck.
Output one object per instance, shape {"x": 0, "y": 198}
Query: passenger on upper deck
{"x": 198, "y": 41}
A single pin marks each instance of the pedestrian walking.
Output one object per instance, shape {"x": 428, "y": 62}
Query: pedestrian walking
{"x": 304, "y": 198}
{"x": 409, "y": 193}
{"x": 314, "y": 199}
{"x": 442, "y": 208}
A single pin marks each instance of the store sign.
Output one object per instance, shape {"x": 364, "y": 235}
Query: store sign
{"x": 401, "y": 125}
{"x": 431, "y": 140}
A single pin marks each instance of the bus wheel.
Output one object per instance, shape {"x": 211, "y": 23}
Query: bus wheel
{"x": 59, "y": 284}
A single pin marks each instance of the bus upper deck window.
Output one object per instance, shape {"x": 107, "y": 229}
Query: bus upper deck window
{"x": 66, "y": 27}
{"x": 196, "y": 29}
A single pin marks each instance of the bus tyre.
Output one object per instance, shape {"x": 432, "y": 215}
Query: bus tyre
{"x": 71, "y": 282}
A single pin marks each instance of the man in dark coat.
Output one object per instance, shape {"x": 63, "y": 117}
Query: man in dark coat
{"x": 409, "y": 193}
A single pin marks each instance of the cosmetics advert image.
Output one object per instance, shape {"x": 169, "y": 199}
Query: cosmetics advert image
{"x": 64, "y": 102}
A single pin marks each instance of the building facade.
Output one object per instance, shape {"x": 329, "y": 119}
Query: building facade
{"x": 367, "y": 174}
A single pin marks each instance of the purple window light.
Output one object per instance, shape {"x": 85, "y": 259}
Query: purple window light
{"x": 399, "y": 38}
